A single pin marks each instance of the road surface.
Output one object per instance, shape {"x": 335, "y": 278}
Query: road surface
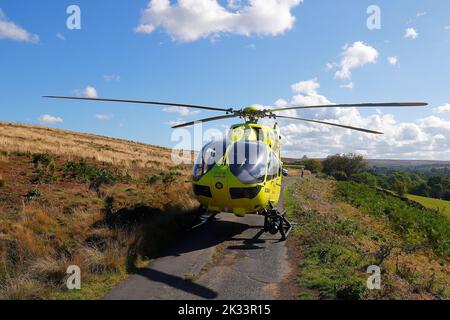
{"x": 229, "y": 258}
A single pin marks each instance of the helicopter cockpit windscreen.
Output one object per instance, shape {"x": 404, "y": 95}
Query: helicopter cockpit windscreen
{"x": 211, "y": 153}
{"x": 247, "y": 160}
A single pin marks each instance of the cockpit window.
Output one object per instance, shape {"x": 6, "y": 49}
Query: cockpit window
{"x": 211, "y": 153}
{"x": 273, "y": 167}
{"x": 247, "y": 161}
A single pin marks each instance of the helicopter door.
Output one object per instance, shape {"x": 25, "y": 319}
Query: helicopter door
{"x": 273, "y": 180}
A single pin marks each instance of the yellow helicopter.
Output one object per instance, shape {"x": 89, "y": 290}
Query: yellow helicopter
{"x": 243, "y": 173}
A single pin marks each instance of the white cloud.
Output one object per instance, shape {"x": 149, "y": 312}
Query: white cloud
{"x": 442, "y": 109}
{"x": 349, "y": 85}
{"x": 103, "y": 117}
{"x": 331, "y": 66}
{"x": 9, "y": 30}
{"x": 447, "y": 27}
{"x": 420, "y": 14}
{"x": 60, "y": 36}
{"x": 184, "y": 112}
{"x": 426, "y": 138}
{"x": 392, "y": 60}
{"x": 88, "y": 92}
{"x": 306, "y": 87}
{"x": 46, "y": 118}
{"x": 111, "y": 77}
{"x": 190, "y": 20}
{"x": 411, "y": 33}
{"x": 355, "y": 56}
{"x": 281, "y": 103}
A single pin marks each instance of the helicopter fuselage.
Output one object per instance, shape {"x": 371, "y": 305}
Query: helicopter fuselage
{"x": 245, "y": 174}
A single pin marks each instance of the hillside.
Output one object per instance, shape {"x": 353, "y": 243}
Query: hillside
{"x": 344, "y": 227}
{"x": 103, "y": 204}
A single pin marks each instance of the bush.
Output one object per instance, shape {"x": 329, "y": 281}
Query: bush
{"x": 79, "y": 171}
{"x": 169, "y": 177}
{"x": 418, "y": 226}
{"x": 166, "y": 177}
{"x": 43, "y": 159}
{"x": 315, "y": 166}
{"x": 366, "y": 178}
{"x": 44, "y": 168}
{"x": 2, "y": 182}
{"x": 339, "y": 175}
{"x": 350, "y": 164}
{"x": 83, "y": 172}
{"x": 33, "y": 194}
{"x": 153, "y": 179}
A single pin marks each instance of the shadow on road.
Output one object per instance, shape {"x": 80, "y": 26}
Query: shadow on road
{"x": 207, "y": 236}
{"x": 178, "y": 283}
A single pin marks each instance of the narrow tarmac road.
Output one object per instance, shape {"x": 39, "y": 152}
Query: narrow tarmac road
{"x": 229, "y": 258}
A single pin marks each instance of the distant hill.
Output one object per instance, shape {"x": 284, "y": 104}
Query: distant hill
{"x": 388, "y": 163}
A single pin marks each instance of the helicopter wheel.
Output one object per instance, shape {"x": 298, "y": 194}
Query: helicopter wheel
{"x": 275, "y": 221}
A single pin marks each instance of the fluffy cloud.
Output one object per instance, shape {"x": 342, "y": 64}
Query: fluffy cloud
{"x": 392, "y": 60}
{"x": 355, "y": 56}
{"x": 442, "y": 109}
{"x": 88, "y": 92}
{"x": 411, "y": 33}
{"x": 190, "y": 20}
{"x": 184, "y": 112}
{"x": 9, "y": 30}
{"x": 46, "y": 118}
{"x": 426, "y": 138}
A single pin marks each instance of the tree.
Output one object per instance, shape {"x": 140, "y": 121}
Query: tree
{"x": 366, "y": 178}
{"x": 350, "y": 164}
{"x": 399, "y": 186}
{"x": 315, "y": 166}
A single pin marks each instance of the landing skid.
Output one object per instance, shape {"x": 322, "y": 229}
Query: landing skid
{"x": 276, "y": 221}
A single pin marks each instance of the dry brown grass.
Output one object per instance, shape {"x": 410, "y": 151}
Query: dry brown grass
{"x": 107, "y": 230}
{"x": 23, "y": 138}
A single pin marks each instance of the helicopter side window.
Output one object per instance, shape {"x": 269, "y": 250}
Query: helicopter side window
{"x": 273, "y": 167}
{"x": 247, "y": 160}
{"x": 211, "y": 153}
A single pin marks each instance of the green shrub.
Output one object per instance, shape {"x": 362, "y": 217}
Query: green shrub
{"x": 153, "y": 179}
{"x": 169, "y": 177}
{"x": 33, "y": 194}
{"x": 83, "y": 172}
{"x": 44, "y": 168}
{"x": 43, "y": 159}
{"x": 366, "y": 178}
{"x": 418, "y": 226}
{"x": 339, "y": 175}
{"x": 78, "y": 171}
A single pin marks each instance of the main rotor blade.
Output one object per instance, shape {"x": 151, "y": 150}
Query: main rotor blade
{"x": 143, "y": 102}
{"x": 360, "y": 105}
{"x": 188, "y": 124}
{"x": 332, "y": 124}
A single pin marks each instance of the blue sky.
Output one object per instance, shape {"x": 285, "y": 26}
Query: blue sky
{"x": 250, "y": 59}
